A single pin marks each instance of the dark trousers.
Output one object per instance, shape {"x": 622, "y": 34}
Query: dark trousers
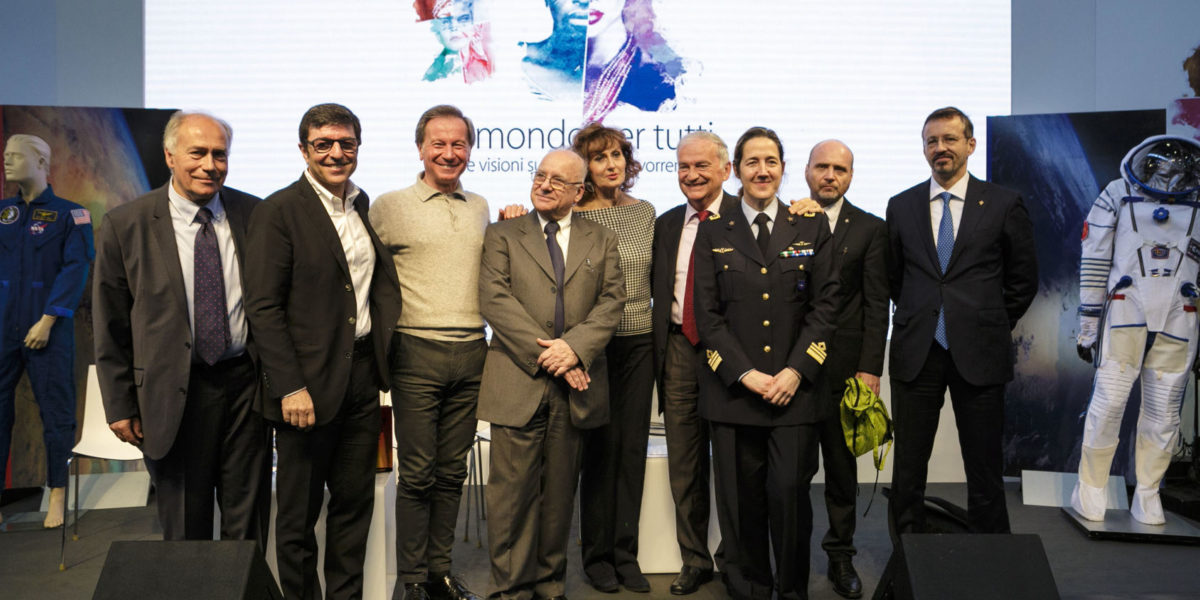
{"x": 221, "y": 445}
{"x": 841, "y": 484}
{"x": 979, "y": 415}
{"x": 687, "y": 451}
{"x": 530, "y": 497}
{"x": 614, "y": 460}
{"x": 763, "y": 476}
{"x": 435, "y": 387}
{"x": 52, "y": 377}
{"x": 342, "y": 455}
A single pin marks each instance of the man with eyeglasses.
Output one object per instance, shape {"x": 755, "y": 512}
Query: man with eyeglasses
{"x": 321, "y": 298}
{"x": 551, "y": 288}
{"x": 433, "y": 230}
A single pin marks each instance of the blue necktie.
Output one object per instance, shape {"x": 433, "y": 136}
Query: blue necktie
{"x": 208, "y": 293}
{"x": 556, "y": 259}
{"x": 945, "y": 247}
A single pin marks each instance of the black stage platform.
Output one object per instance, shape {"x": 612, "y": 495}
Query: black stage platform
{"x": 1083, "y": 568}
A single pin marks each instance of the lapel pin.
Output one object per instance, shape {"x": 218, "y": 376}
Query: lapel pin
{"x": 731, "y": 223}
{"x": 981, "y": 202}
{"x": 791, "y": 218}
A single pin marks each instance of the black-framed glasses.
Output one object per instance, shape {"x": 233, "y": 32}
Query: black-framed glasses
{"x": 558, "y": 184}
{"x": 325, "y": 145}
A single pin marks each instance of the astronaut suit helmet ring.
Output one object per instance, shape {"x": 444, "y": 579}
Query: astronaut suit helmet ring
{"x": 1166, "y": 168}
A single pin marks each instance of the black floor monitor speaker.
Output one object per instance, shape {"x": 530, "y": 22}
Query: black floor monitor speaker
{"x": 186, "y": 571}
{"x": 964, "y": 565}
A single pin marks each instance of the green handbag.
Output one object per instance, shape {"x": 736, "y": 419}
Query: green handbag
{"x": 865, "y": 421}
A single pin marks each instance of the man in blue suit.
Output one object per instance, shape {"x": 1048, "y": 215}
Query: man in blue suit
{"x": 962, "y": 270}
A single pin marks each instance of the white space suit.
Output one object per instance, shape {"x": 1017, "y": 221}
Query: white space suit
{"x": 1138, "y": 300}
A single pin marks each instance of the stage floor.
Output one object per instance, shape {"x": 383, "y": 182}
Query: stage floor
{"x": 1082, "y": 568}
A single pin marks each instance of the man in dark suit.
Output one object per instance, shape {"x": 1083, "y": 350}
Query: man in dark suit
{"x": 860, "y": 244}
{"x": 322, "y": 299}
{"x": 550, "y": 287}
{"x": 765, "y": 301}
{"x": 962, "y": 271}
{"x": 703, "y": 166}
{"x": 174, "y": 355}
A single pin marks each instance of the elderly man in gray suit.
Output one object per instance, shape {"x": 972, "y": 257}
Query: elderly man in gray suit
{"x": 551, "y": 288}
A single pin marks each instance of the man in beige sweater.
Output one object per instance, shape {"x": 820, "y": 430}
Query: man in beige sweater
{"x": 434, "y": 231}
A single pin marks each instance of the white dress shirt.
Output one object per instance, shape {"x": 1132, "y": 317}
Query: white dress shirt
{"x": 563, "y": 236}
{"x": 833, "y": 211}
{"x": 687, "y": 239}
{"x": 752, "y": 213}
{"x": 356, "y": 244}
{"x": 183, "y": 220}
{"x": 958, "y": 191}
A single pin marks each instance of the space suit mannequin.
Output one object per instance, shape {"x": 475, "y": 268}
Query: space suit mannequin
{"x": 1138, "y": 301}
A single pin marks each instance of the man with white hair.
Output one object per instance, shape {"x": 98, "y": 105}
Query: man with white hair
{"x": 45, "y": 248}
{"x": 174, "y": 355}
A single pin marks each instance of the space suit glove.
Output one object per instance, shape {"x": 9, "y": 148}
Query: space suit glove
{"x": 1085, "y": 342}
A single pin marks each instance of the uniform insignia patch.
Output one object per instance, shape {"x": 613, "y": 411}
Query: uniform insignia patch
{"x": 1193, "y": 251}
{"x": 37, "y": 228}
{"x": 722, "y": 250}
{"x": 9, "y": 215}
{"x": 801, "y": 244}
{"x": 81, "y": 216}
{"x": 817, "y": 351}
{"x": 794, "y": 252}
{"x": 1160, "y": 252}
{"x": 42, "y": 214}
{"x": 714, "y": 359}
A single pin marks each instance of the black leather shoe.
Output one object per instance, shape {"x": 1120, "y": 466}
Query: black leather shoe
{"x": 448, "y": 587}
{"x": 415, "y": 591}
{"x": 845, "y": 579}
{"x": 631, "y": 577}
{"x": 603, "y": 578}
{"x": 689, "y": 580}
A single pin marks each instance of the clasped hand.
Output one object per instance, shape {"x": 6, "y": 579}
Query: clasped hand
{"x": 777, "y": 390}
{"x": 559, "y": 360}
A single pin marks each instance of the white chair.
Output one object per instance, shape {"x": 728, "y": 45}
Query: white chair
{"x": 95, "y": 441}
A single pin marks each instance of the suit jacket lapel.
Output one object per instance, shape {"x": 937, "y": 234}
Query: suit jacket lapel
{"x": 783, "y": 233}
{"x": 164, "y": 238}
{"x": 311, "y": 206}
{"x": 740, "y": 236}
{"x": 237, "y": 224}
{"x": 580, "y": 246}
{"x": 533, "y": 239}
{"x": 919, "y": 203}
{"x": 846, "y": 220}
{"x": 973, "y": 206}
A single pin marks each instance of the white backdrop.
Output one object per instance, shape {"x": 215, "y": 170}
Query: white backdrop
{"x": 865, "y": 71}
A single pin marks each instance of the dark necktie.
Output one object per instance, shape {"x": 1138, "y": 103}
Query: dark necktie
{"x": 945, "y": 247}
{"x": 208, "y": 293}
{"x": 556, "y": 259}
{"x": 764, "y": 232}
{"x": 690, "y": 331}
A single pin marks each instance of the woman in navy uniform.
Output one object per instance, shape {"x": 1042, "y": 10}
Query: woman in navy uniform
{"x": 765, "y": 294}
{"x": 45, "y": 251}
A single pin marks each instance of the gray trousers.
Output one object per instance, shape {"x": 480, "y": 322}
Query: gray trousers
{"x": 435, "y": 387}
{"x": 530, "y": 497}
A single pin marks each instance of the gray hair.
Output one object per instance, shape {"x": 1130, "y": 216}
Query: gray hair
{"x": 171, "y": 132}
{"x": 34, "y": 143}
{"x": 722, "y": 149}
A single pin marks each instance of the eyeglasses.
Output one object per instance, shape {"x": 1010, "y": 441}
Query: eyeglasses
{"x": 556, "y": 183}
{"x": 325, "y": 145}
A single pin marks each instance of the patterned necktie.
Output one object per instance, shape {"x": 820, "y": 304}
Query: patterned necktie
{"x": 208, "y": 293}
{"x": 556, "y": 259}
{"x": 690, "y": 331}
{"x": 945, "y": 247}
{"x": 764, "y": 232}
